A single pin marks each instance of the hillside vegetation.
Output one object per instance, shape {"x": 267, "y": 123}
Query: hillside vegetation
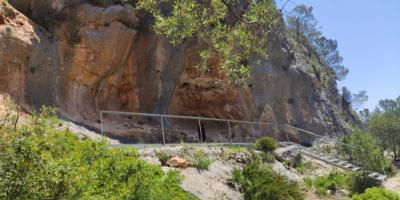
{"x": 39, "y": 161}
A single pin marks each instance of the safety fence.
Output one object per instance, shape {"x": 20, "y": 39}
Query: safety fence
{"x": 144, "y": 128}
{"x": 165, "y": 129}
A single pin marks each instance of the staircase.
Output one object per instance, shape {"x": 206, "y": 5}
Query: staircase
{"x": 332, "y": 160}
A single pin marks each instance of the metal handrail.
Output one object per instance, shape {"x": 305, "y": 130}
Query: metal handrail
{"x": 228, "y": 121}
{"x": 182, "y": 117}
{"x": 199, "y": 119}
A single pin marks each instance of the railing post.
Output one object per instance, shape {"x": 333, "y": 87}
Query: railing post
{"x": 162, "y": 128}
{"x": 276, "y": 132}
{"x": 287, "y": 136}
{"x": 201, "y": 133}
{"x": 101, "y": 124}
{"x": 229, "y": 130}
{"x": 254, "y": 137}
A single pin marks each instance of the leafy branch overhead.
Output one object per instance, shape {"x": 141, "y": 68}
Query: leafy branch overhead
{"x": 233, "y": 30}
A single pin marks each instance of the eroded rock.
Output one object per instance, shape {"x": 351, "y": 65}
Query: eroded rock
{"x": 109, "y": 58}
{"x": 177, "y": 162}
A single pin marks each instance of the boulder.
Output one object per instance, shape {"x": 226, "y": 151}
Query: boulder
{"x": 290, "y": 153}
{"x": 177, "y": 162}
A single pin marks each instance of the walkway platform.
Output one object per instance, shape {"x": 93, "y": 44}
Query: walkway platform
{"x": 332, "y": 160}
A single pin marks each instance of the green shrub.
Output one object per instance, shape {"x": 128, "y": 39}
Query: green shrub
{"x": 301, "y": 168}
{"x": 362, "y": 149}
{"x": 201, "y": 160}
{"x": 163, "y": 157}
{"x": 40, "y": 161}
{"x": 358, "y": 183}
{"x": 267, "y": 157}
{"x": 260, "y": 182}
{"x": 237, "y": 149}
{"x": 308, "y": 182}
{"x": 266, "y": 144}
{"x": 376, "y": 193}
{"x": 231, "y": 152}
{"x": 333, "y": 181}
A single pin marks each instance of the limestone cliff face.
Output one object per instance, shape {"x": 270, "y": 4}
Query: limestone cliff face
{"x": 107, "y": 58}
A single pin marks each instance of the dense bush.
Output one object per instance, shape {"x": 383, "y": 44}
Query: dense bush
{"x": 355, "y": 183}
{"x": 358, "y": 183}
{"x": 163, "y": 157}
{"x": 267, "y": 157}
{"x": 38, "y": 160}
{"x": 308, "y": 182}
{"x": 362, "y": 149}
{"x": 386, "y": 129}
{"x": 260, "y": 182}
{"x": 266, "y": 144}
{"x": 333, "y": 181}
{"x": 376, "y": 194}
{"x": 201, "y": 160}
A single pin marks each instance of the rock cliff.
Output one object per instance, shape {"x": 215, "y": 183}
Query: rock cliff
{"x": 83, "y": 58}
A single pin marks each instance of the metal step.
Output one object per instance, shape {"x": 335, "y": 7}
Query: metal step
{"x": 348, "y": 166}
{"x": 339, "y": 163}
{"x": 355, "y": 169}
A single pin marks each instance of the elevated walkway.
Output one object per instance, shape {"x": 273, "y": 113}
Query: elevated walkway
{"x": 285, "y": 134}
{"x": 331, "y": 160}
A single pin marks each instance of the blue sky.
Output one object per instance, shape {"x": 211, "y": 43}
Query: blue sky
{"x": 368, "y": 34}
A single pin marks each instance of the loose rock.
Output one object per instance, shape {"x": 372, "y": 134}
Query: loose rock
{"x": 177, "y": 162}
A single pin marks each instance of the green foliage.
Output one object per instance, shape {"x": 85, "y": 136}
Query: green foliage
{"x": 386, "y": 129}
{"x": 266, "y": 144}
{"x": 231, "y": 152}
{"x": 267, "y": 157}
{"x": 376, "y": 193}
{"x": 301, "y": 168}
{"x": 259, "y": 182}
{"x": 237, "y": 149}
{"x": 362, "y": 149}
{"x": 355, "y": 182}
{"x": 38, "y": 160}
{"x": 308, "y": 182}
{"x": 359, "y": 99}
{"x": 302, "y": 23}
{"x": 229, "y": 32}
{"x": 390, "y": 106}
{"x": 347, "y": 98}
{"x": 333, "y": 181}
{"x": 358, "y": 183}
{"x": 201, "y": 160}
{"x": 163, "y": 156}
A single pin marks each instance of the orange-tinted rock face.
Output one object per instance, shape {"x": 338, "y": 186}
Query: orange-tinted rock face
{"x": 108, "y": 59}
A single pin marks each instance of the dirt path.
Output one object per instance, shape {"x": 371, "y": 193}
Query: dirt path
{"x": 393, "y": 183}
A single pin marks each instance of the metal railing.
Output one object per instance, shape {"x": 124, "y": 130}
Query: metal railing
{"x": 163, "y": 117}
{"x": 310, "y": 137}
